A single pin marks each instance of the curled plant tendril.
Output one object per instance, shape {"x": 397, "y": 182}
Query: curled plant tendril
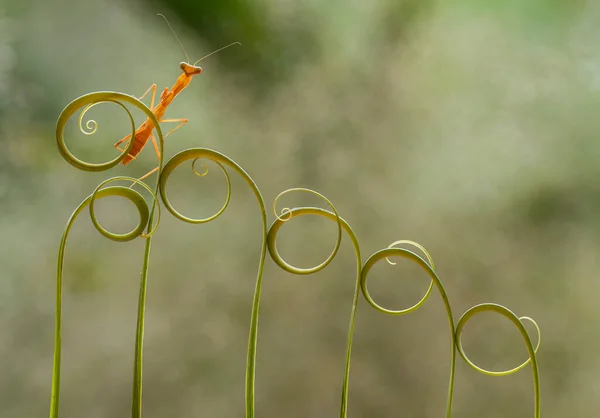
{"x": 146, "y": 220}
{"x": 425, "y": 296}
{"x": 518, "y": 323}
{"x": 145, "y": 217}
{"x": 428, "y": 267}
{"x": 506, "y": 313}
{"x": 91, "y": 124}
{"x": 140, "y": 204}
{"x": 415, "y": 244}
{"x": 287, "y": 214}
{"x": 203, "y": 173}
{"x": 89, "y": 101}
{"x": 221, "y": 160}
{"x": 171, "y": 165}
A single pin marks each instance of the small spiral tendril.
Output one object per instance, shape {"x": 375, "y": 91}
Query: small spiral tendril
{"x": 179, "y": 159}
{"x": 286, "y": 215}
{"x": 203, "y": 166}
{"x": 134, "y": 197}
{"x": 414, "y": 307}
{"x": 419, "y": 246}
{"x": 91, "y": 124}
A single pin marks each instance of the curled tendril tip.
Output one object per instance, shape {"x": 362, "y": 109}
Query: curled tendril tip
{"x": 286, "y": 215}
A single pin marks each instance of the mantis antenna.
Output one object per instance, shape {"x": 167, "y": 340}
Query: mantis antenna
{"x": 187, "y": 57}
{"x": 214, "y": 52}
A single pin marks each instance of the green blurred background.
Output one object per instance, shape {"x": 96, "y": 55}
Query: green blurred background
{"x": 469, "y": 126}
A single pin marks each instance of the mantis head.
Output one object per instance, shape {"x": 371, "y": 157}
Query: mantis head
{"x": 190, "y": 69}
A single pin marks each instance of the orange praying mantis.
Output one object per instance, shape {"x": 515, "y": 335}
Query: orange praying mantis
{"x": 144, "y": 132}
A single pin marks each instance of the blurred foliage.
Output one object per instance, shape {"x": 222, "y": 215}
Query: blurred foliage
{"x": 467, "y": 126}
{"x": 270, "y": 50}
{"x": 278, "y": 37}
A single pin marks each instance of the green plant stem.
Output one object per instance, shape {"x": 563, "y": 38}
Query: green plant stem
{"x": 140, "y": 204}
{"x": 222, "y": 160}
{"x": 342, "y": 224}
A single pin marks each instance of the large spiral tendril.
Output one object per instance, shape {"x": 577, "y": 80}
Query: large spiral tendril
{"x": 518, "y": 323}
{"x": 174, "y": 163}
{"x": 223, "y": 161}
{"x": 287, "y": 215}
{"x": 87, "y": 102}
{"x": 428, "y": 267}
{"x": 146, "y": 220}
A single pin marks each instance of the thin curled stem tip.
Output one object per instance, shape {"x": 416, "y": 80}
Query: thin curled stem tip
{"x": 173, "y": 163}
{"x": 286, "y": 212}
{"x": 286, "y": 215}
{"x": 417, "y": 305}
{"x": 415, "y": 244}
{"x": 91, "y": 124}
{"x": 203, "y": 166}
